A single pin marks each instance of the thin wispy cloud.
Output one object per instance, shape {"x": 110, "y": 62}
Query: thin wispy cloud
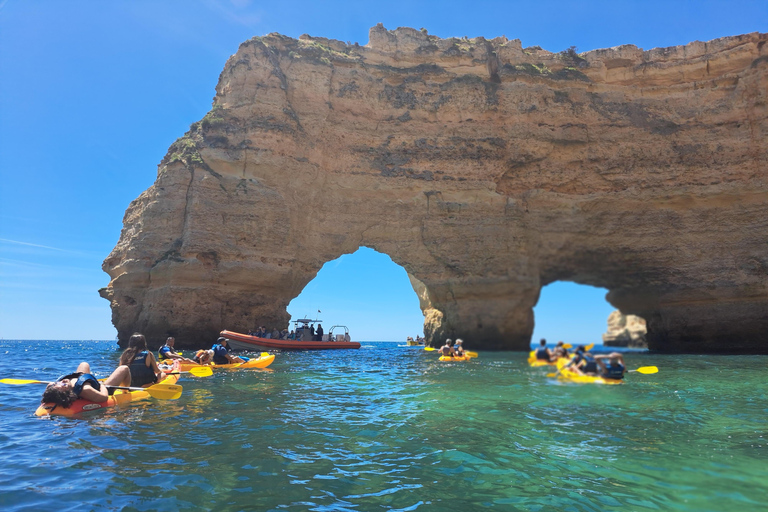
{"x": 39, "y": 246}
{"x": 238, "y": 12}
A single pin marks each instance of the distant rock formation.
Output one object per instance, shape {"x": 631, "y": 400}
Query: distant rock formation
{"x": 485, "y": 169}
{"x": 625, "y": 331}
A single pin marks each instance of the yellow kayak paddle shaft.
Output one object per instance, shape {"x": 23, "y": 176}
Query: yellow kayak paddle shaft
{"x": 161, "y": 391}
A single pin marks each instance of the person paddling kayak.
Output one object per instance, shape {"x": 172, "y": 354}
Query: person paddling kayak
{"x": 543, "y": 353}
{"x": 447, "y": 349}
{"x": 582, "y": 362}
{"x": 222, "y": 356}
{"x": 614, "y": 368}
{"x": 168, "y": 352}
{"x": 458, "y": 347}
{"x": 82, "y": 384}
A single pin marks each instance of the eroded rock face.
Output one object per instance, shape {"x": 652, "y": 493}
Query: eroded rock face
{"x": 486, "y": 169}
{"x": 625, "y": 331}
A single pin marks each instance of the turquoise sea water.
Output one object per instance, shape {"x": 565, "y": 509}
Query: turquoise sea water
{"x": 390, "y": 428}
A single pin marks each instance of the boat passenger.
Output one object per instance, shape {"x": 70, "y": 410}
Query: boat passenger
{"x": 82, "y": 384}
{"x": 582, "y": 362}
{"x": 168, "y": 352}
{"x": 447, "y": 349}
{"x": 614, "y": 368}
{"x": 319, "y": 332}
{"x": 543, "y": 353}
{"x": 222, "y": 356}
{"x": 142, "y": 363}
{"x": 458, "y": 347}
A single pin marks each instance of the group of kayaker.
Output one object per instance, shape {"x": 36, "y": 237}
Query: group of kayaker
{"x": 544, "y": 354}
{"x": 452, "y": 349}
{"x": 217, "y": 354}
{"x": 583, "y": 362}
{"x": 138, "y": 368}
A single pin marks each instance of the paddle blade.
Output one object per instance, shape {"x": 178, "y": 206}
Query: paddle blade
{"x": 429, "y": 349}
{"x": 470, "y": 353}
{"x": 567, "y": 346}
{"x": 22, "y": 381}
{"x": 589, "y": 347}
{"x": 201, "y": 371}
{"x": 646, "y": 370}
{"x": 165, "y": 391}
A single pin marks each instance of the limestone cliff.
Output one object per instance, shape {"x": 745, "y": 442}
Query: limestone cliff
{"x": 625, "y": 331}
{"x": 487, "y": 170}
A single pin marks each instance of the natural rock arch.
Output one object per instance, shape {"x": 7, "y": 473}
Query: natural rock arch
{"x": 485, "y": 169}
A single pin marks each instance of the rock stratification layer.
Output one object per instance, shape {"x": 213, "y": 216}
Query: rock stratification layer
{"x": 487, "y": 170}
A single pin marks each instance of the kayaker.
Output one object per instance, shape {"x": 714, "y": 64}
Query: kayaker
{"x": 447, "y": 349}
{"x": 222, "y": 356}
{"x": 458, "y": 347}
{"x": 560, "y": 351}
{"x": 82, "y": 384}
{"x": 141, "y": 362}
{"x": 582, "y": 362}
{"x": 203, "y": 357}
{"x": 543, "y": 353}
{"x": 168, "y": 352}
{"x": 614, "y": 368}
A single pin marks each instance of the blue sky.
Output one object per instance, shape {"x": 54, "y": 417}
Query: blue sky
{"x": 92, "y": 93}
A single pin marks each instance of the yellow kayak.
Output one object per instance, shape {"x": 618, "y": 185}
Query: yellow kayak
{"x": 449, "y": 358}
{"x": 264, "y": 360}
{"x": 570, "y": 376}
{"x": 540, "y": 362}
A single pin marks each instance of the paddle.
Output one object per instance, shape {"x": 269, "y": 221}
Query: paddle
{"x": 197, "y": 371}
{"x": 470, "y": 353}
{"x": 161, "y": 391}
{"x": 646, "y": 370}
{"x": 429, "y": 349}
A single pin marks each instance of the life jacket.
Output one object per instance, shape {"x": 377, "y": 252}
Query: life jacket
{"x": 141, "y": 373}
{"x": 541, "y": 353}
{"x": 590, "y": 365}
{"x": 219, "y": 354}
{"x": 82, "y": 379}
{"x": 164, "y": 351}
{"x": 614, "y": 371}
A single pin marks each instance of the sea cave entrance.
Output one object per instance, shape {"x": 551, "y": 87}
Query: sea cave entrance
{"x": 365, "y": 291}
{"x": 571, "y": 312}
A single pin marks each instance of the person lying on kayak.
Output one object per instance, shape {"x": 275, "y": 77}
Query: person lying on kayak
{"x": 458, "y": 347}
{"x": 222, "y": 356}
{"x": 82, "y": 384}
{"x": 141, "y": 362}
{"x": 614, "y": 368}
{"x": 168, "y": 352}
{"x": 447, "y": 349}
{"x": 543, "y": 353}
{"x": 582, "y": 362}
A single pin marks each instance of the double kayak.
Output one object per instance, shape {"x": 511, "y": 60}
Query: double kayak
{"x": 121, "y": 397}
{"x": 455, "y": 358}
{"x": 262, "y": 361}
{"x": 570, "y": 376}
{"x": 533, "y": 362}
